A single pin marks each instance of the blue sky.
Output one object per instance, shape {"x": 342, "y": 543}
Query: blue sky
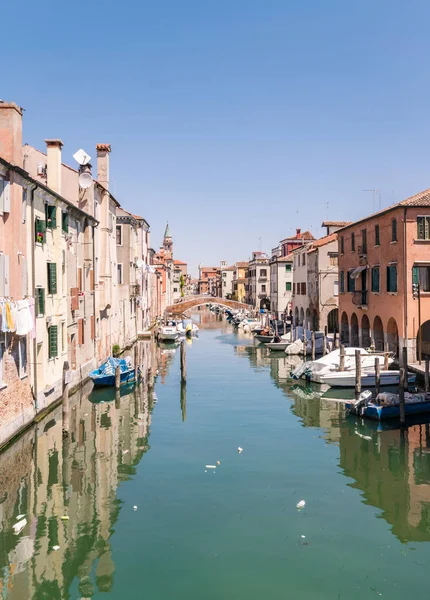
{"x": 234, "y": 120}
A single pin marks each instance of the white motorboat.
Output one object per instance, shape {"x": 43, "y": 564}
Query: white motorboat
{"x": 169, "y": 332}
{"x": 264, "y": 339}
{"x": 314, "y": 370}
{"x": 285, "y": 340}
{"x": 187, "y": 327}
{"x": 346, "y": 379}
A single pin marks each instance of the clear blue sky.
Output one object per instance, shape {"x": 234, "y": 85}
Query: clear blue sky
{"x": 233, "y": 119}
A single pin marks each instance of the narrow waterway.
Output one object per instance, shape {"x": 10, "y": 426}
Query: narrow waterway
{"x": 125, "y": 508}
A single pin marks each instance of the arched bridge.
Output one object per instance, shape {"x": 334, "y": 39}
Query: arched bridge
{"x": 192, "y": 301}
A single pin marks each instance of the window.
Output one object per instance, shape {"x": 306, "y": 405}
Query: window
{"x": 392, "y": 278}
{"x": 423, "y": 276}
{"x": 65, "y": 222}
{"x": 423, "y": 228}
{"x": 294, "y": 288}
{"x": 352, "y": 242}
{"x": 63, "y": 336}
{"x": 263, "y": 273}
{"x": 4, "y": 196}
{"x": 224, "y": 274}
{"x": 303, "y": 259}
{"x": 119, "y": 235}
{"x": 224, "y": 283}
{"x": 81, "y": 332}
{"x": 40, "y": 230}
{"x": 375, "y": 280}
{"x": 40, "y": 302}
{"x": 342, "y": 282}
{"x": 288, "y": 286}
{"x": 394, "y": 230}
{"x": 350, "y": 283}
{"x": 342, "y": 244}
{"x": 22, "y": 354}
{"x": 364, "y": 241}
{"x": 299, "y": 289}
{"x": 119, "y": 273}
{"x": 51, "y": 216}
{"x": 4, "y": 275}
{"x": 377, "y": 243}
{"x": 333, "y": 259}
{"x": 52, "y": 278}
{"x": 80, "y": 279}
{"x": 24, "y": 205}
{"x": 53, "y": 341}
{"x": 288, "y": 267}
{"x": 335, "y": 288}
{"x": 175, "y": 290}
{"x": 263, "y": 289}
{"x": 304, "y": 289}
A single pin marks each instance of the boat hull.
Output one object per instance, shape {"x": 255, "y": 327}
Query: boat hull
{"x": 168, "y": 337}
{"x": 347, "y": 379}
{"x": 263, "y": 339}
{"x": 277, "y": 346}
{"x": 109, "y": 380}
{"x": 384, "y": 413}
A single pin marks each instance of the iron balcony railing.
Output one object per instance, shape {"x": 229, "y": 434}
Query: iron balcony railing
{"x": 359, "y": 298}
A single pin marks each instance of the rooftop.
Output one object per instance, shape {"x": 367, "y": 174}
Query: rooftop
{"x": 420, "y": 199}
{"x": 306, "y": 235}
{"x": 323, "y": 241}
{"x": 179, "y": 262}
{"x": 335, "y": 223}
{"x": 242, "y": 265}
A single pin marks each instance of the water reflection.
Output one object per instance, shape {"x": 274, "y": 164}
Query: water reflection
{"x": 64, "y": 484}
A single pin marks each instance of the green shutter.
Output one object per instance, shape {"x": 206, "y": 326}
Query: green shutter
{"x": 51, "y": 216}
{"x": 53, "y": 341}
{"x": 40, "y": 301}
{"x": 65, "y": 222}
{"x": 415, "y": 275}
{"x": 342, "y": 282}
{"x": 52, "y": 278}
{"x": 375, "y": 279}
{"x": 288, "y": 286}
{"x": 420, "y": 228}
{"x": 40, "y": 230}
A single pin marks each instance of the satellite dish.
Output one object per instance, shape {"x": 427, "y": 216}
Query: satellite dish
{"x": 82, "y": 157}
{"x": 85, "y": 180}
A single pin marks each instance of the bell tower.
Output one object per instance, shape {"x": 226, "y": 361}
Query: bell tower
{"x": 167, "y": 240}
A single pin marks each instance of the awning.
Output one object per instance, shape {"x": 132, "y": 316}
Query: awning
{"x": 356, "y": 272}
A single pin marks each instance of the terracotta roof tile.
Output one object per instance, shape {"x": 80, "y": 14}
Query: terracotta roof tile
{"x": 327, "y": 239}
{"x": 336, "y": 223}
{"x": 242, "y": 265}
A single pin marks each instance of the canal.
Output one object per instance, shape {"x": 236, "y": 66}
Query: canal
{"x": 125, "y": 508}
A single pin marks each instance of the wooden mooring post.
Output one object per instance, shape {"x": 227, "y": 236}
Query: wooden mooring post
{"x": 357, "y": 372}
{"x": 426, "y": 376}
{"x": 325, "y": 340}
{"x": 377, "y": 375}
{"x": 117, "y": 377}
{"x": 402, "y": 396}
{"x": 335, "y": 340}
{"x": 183, "y": 363}
{"x": 136, "y": 363}
{"x": 65, "y": 405}
{"x": 304, "y": 344}
{"x": 342, "y": 358}
{"x": 405, "y": 366}
{"x": 386, "y": 356}
{"x": 313, "y": 344}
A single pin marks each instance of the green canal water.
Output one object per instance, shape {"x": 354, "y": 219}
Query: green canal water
{"x": 146, "y": 519}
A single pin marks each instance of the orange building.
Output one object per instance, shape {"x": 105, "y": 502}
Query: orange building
{"x": 380, "y": 257}
{"x": 208, "y": 280}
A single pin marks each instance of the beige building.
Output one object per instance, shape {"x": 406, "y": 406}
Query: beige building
{"x": 258, "y": 281}
{"x": 226, "y": 280}
{"x": 281, "y": 283}
{"x": 323, "y": 277}
{"x": 300, "y": 308}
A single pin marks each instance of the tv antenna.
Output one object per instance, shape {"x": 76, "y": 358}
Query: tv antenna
{"x": 375, "y": 194}
{"x": 85, "y": 178}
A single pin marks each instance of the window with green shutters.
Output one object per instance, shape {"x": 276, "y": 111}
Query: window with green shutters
{"x": 65, "y": 222}
{"x": 288, "y": 286}
{"x": 392, "y": 278}
{"x": 394, "y": 230}
{"x": 352, "y": 242}
{"x": 53, "y": 341}
{"x": 51, "y": 216}
{"x": 375, "y": 279}
{"x": 377, "y": 242}
{"x": 350, "y": 283}
{"x": 342, "y": 282}
{"x": 40, "y": 231}
{"x": 40, "y": 302}
{"x": 52, "y": 278}
{"x": 288, "y": 267}
{"x": 423, "y": 228}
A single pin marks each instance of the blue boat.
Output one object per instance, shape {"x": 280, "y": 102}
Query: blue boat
{"x": 380, "y": 412}
{"x": 105, "y": 375}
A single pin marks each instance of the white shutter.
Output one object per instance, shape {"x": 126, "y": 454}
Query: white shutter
{"x": 6, "y": 196}
{"x": 2, "y": 182}
{"x": 336, "y": 288}
{"x": 6, "y": 275}
{"x": 24, "y": 205}
{"x": 1, "y": 275}
{"x": 24, "y": 275}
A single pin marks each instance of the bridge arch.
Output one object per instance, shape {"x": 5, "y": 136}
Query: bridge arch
{"x": 193, "y": 301}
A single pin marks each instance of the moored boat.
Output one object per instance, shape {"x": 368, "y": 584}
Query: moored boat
{"x": 386, "y": 406}
{"x": 346, "y": 379}
{"x": 169, "y": 332}
{"x": 105, "y": 374}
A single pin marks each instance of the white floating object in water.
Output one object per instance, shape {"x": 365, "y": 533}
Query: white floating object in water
{"x": 303, "y": 537}
{"x": 210, "y": 466}
{"x": 19, "y": 517}
{"x": 55, "y": 547}
{"x": 218, "y": 462}
{"x": 240, "y": 450}
{"x": 301, "y": 504}
{"x": 134, "y": 507}
{"x": 19, "y": 526}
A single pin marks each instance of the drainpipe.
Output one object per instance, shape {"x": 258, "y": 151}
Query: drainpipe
{"x": 33, "y": 286}
{"x": 405, "y": 282}
{"x": 94, "y": 293}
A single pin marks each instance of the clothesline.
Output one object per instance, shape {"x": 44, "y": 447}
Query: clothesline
{"x": 17, "y": 316}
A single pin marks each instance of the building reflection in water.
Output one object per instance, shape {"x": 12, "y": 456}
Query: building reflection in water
{"x": 391, "y": 469}
{"x": 64, "y": 484}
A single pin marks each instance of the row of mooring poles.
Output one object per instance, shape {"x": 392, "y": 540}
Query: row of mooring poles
{"x": 313, "y": 340}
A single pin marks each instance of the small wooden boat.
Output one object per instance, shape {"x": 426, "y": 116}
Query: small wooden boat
{"x": 264, "y": 339}
{"x": 386, "y": 406}
{"x": 346, "y": 379}
{"x": 280, "y": 346}
{"x": 105, "y": 375}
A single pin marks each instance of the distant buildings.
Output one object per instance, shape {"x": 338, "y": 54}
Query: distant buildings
{"x": 281, "y": 283}
{"x": 208, "y": 280}
{"x": 258, "y": 281}
{"x": 239, "y": 281}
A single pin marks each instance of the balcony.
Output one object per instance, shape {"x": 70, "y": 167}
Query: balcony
{"x": 262, "y": 279}
{"x": 134, "y": 290}
{"x": 263, "y": 295}
{"x": 359, "y": 298}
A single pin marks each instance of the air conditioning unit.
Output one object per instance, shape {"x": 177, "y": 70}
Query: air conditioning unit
{"x": 41, "y": 169}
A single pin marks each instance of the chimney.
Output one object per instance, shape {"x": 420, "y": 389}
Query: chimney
{"x": 298, "y": 232}
{"x": 53, "y": 167}
{"x": 103, "y": 151}
{"x": 11, "y": 132}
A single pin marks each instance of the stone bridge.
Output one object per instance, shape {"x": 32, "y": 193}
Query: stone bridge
{"x": 192, "y": 301}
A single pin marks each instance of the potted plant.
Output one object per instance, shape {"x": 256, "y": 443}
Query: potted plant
{"x": 40, "y": 237}
{"x": 116, "y": 350}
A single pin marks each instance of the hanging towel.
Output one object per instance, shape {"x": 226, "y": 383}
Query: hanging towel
{"x": 14, "y": 313}
{"x": 10, "y": 325}
{"x": 24, "y": 323}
